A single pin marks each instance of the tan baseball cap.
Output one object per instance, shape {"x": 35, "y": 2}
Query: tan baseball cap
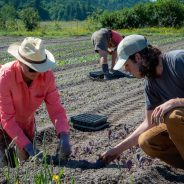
{"x": 128, "y": 46}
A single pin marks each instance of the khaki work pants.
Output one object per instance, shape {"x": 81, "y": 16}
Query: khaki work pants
{"x": 166, "y": 141}
{"x": 8, "y": 150}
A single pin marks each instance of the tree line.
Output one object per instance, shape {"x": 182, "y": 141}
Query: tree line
{"x": 68, "y": 9}
{"x": 28, "y": 13}
{"x": 161, "y": 13}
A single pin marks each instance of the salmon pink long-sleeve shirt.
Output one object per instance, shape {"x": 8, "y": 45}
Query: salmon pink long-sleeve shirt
{"x": 18, "y": 103}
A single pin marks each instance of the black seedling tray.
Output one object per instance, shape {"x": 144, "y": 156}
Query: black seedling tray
{"x": 96, "y": 75}
{"x": 90, "y": 122}
{"x": 115, "y": 74}
{"x": 85, "y": 128}
{"x": 119, "y": 74}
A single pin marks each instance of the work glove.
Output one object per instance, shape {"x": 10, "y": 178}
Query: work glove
{"x": 29, "y": 148}
{"x": 63, "y": 149}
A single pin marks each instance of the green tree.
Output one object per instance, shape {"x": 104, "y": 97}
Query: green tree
{"x": 163, "y": 13}
{"x": 67, "y": 15}
{"x": 170, "y": 13}
{"x": 7, "y": 14}
{"x": 30, "y": 18}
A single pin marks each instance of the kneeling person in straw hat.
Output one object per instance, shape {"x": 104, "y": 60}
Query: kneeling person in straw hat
{"x": 161, "y": 134}
{"x": 24, "y": 84}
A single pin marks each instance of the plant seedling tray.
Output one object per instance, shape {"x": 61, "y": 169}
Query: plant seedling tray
{"x": 115, "y": 74}
{"x": 96, "y": 75}
{"x": 89, "y": 122}
{"x": 118, "y": 74}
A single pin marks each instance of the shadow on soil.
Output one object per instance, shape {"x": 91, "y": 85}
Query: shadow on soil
{"x": 83, "y": 164}
{"x": 169, "y": 175}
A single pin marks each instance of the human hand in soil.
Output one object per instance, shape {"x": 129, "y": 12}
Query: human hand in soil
{"x": 64, "y": 148}
{"x": 109, "y": 155}
{"x": 157, "y": 116}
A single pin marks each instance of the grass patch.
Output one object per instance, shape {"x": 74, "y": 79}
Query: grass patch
{"x": 154, "y": 31}
{"x": 81, "y": 28}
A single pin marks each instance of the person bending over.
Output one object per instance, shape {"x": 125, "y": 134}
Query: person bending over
{"x": 24, "y": 84}
{"x": 105, "y": 42}
{"x": 161, "y": 133}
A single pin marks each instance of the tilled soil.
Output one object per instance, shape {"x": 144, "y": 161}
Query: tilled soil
{"x": 122, "y": 101}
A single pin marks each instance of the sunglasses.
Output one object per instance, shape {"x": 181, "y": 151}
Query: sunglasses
{"x": 31, "y": 70}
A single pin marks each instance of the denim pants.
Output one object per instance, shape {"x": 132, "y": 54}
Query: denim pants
{"x": 166, "y": 141}
{"x": 7, "y": 148}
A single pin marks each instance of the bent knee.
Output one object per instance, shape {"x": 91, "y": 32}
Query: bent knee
{"x": 174, "y": 116}
{"x": 146, "y": 143}
{"x": 143, "y": 141}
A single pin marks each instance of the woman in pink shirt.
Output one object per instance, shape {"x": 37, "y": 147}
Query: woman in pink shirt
{"x": 24, "y": 84}
{"x": 105, "y": 42}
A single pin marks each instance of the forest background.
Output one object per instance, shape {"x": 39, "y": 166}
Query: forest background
{"x": 82, "y": 17}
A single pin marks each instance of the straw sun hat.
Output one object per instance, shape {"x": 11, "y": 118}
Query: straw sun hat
{"x": 32, "y": 53}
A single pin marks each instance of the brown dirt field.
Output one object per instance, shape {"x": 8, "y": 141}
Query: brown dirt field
{"x": 122, "y": 101}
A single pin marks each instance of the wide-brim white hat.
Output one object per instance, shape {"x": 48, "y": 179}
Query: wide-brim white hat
{"x": 32, "y": 53}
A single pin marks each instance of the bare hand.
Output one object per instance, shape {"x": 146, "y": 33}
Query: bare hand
{"x": 159, "y": 112}
{"x": 110, "y": 51}
{"x": 109, "y": 155}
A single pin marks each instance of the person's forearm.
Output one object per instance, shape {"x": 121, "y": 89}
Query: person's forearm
{"x": 178, "y": 102}
{"x": 132, "y": 139}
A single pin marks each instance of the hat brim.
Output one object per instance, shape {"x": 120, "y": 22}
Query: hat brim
{"x": 119, "y": 64}
{"x": 43, "y": 67}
